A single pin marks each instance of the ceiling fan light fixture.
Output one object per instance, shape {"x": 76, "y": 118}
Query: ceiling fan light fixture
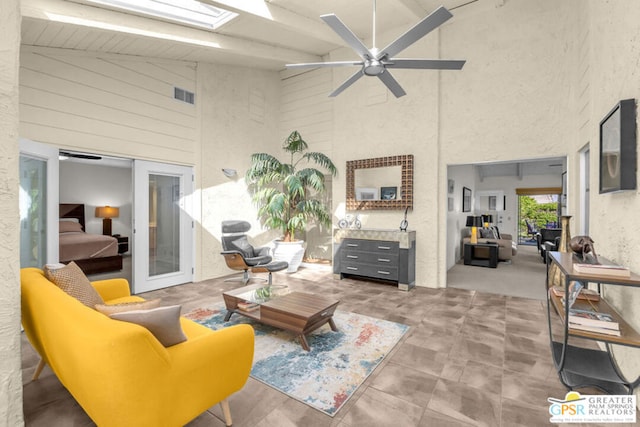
{"x": 373, "y": 67}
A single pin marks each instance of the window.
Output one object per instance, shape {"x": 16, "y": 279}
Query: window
{"x": 190, "y": 12}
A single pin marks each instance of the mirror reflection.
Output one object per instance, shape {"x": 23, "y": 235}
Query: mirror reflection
{"x": 490, "y": 200}
{"x": 380, "y": 183}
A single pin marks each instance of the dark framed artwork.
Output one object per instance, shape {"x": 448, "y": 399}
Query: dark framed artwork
{"x": 388, "y": 193}
{"x": 466, "y": 199}
{"x": 618, "y": 148}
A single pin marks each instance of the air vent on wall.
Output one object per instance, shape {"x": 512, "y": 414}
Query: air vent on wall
{"x": 184, "y": 95}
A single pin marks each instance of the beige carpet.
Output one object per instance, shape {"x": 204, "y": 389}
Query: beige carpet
{"x": 524, "y": 277}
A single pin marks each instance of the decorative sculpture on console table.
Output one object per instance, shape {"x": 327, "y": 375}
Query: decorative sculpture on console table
{"x": 582, "y": 245}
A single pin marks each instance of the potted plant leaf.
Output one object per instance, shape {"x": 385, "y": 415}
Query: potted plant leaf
{"x": 287, "y": 194}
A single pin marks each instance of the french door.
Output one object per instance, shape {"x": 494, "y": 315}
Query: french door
{"x": 163, "y": 226}
{"x": 38, "y": 204}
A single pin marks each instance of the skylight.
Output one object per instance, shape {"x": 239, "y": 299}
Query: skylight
{"x": 190, "y": 12}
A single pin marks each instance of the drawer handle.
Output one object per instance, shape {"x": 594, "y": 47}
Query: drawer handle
{"x": 383, "y": 260}
{"x": 383, "y": 272}
{"x": 386, "y": 248}
{"x": 352, "y": 256}
{"x": 352, "y": 268}
{"x": 324, "y": 313}
{"x": 352, "y": 245}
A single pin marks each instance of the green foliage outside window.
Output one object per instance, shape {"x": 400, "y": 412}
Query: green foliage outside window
{"x": 538, "y": 214}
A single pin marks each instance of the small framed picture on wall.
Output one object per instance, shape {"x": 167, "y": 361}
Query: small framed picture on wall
{"x": 466, "y": 199}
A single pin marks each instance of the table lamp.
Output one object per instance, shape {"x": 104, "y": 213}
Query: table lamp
{"x": 474, "y": 222}
{"x": 487, "y": 220}
{"x": 107, "y": 212}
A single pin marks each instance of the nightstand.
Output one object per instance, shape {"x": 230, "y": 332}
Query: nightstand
{"x": 123, "y": 243}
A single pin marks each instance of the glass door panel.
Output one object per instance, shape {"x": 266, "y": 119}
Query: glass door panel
{"x": 38, "y": 199}
{"x": 33, "y": 212}
{"x": 163, "y": 225}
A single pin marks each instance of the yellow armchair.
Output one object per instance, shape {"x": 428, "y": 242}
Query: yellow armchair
{"x": 119, "y": 372}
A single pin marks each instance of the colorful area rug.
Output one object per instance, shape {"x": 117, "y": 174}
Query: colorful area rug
{"x": 328, "y": 375}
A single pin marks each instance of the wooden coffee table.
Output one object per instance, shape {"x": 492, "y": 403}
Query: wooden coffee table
{"x": 297, "y": 312}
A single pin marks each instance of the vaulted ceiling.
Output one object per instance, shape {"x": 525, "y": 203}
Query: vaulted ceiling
{"x": 265, "y": 34}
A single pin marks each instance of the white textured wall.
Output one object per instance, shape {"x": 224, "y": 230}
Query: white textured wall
{"x": 240, "y": 117}
{"x": 10, "y": 360}
{"x": 305, "y": 107}
{"x": 613, "y": 44}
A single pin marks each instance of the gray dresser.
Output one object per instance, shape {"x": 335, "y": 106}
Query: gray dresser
{"x": 378, "y": 254}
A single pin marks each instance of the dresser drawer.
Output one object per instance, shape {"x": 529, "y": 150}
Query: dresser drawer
{"x": 376, "y": 271}
{"x": 378, "y": 246}
{"x": 376, "y": 258}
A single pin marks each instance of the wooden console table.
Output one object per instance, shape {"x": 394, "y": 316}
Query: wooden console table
{"x": 578, "y": 366}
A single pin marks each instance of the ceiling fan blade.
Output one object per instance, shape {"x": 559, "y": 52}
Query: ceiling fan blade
{"x": 351, "y": 80}
{"x": 392, "y": 84}
{"x": 428, "y": 24}
{"x": 325, "y": 64}
{"x": 347, "y": 35}
{"x": 432, "y": 64}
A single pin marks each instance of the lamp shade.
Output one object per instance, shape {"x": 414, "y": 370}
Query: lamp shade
{"x": 470, "y": 221}
{"x": 474, "y": 221}
{"x": 487, "y": 218}
{"x": 107, "y": 212}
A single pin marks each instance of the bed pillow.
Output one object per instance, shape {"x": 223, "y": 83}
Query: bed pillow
{"x": 127, "y": 306}
{"x": 162, "y": 322}
{"x": 69, "y": 226}
{"x": 71, "y": 279}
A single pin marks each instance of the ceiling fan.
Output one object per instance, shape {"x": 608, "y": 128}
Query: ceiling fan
{"x": 375, "y": 62}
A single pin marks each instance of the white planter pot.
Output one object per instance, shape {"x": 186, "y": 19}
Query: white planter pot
{"x": 291, "y": 252}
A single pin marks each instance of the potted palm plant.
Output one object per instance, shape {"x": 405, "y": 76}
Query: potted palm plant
{"x": 287, "y": 194}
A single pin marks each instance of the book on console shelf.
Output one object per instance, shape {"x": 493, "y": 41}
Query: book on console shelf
{"x": 602, "y": 270}
{"x": 585, "y": 294}
{"x": 597, "y": 330}
{"x": 592, "y": 318}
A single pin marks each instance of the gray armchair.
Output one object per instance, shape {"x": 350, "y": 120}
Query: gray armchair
{"x": 239, "y": 254}
{"x": 548, "y": 240}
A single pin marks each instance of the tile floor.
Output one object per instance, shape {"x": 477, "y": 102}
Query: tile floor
{"x": 470, "y": 358}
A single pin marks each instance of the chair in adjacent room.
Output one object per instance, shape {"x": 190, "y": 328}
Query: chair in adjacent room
{"x": 240, "y": 255}
{"x": 532, "y": 230}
